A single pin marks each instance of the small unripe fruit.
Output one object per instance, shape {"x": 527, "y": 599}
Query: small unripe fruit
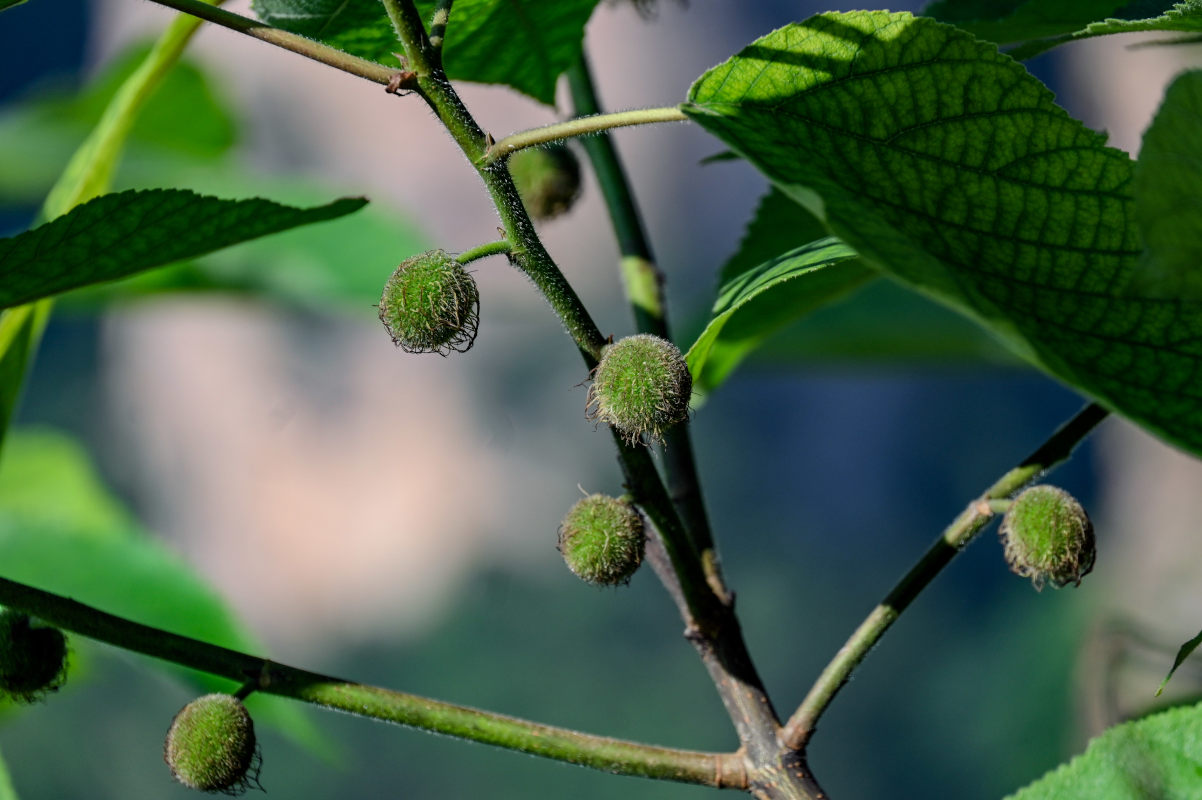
{"x": 431, "y": 305}
{"x": 33, "y": 659}
{"x": 602, "y": 540}
{"x": 211, "y": 745}
{"x": 1048, "y": 537}
{"x": 641, "y": 387}
{"x": 548, "y": 179}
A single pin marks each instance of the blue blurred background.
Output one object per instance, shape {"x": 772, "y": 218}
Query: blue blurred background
{"x": 392, "y": 519}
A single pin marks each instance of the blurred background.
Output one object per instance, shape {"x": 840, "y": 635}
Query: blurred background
{"x": 392, "y": 518}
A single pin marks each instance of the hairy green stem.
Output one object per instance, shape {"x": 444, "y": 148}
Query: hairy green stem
{"x": 580, "y": 126}
{"x": 483, "y": 251}
{"x": 957, "y": 535}
{"x": 561, "y": 744}
{"x": 528, "y": 252}
{"x": 309, "y": 48}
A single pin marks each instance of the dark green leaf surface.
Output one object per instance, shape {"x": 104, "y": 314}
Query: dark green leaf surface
{"x": 1155, "y": 758}
{"x": 1015, "y": 20}
{"x": 61, "y": 531}
{"x": 525, "y": 44}
{"x": 772, "y": 280}
{"x": 122, "y": 234}
{"x": 339, "y": 265}
{"x": 1168, "y": 194}
{"x": 1184, "y": 17}
{"x": 943, "y": 162}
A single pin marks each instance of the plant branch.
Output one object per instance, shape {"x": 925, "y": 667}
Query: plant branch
{"x": 581, "y": 126}
{"x": 483, "y": 251}
{"x": 962, "y": 531}
{"x": 560, "y": 744}
{"x": 331, "y": 56}
{"x": 694, "y": 579}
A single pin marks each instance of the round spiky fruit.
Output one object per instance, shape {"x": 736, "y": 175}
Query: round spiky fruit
{"x": 33, "y": 659}
{"x": 431, "y": 305}
{"x": 1048, "y": 537}
{"x": 641, "y": 387}
{"x": 211, "y": 745}
{"x": 602, "y": 540}
{"x": 548, "y": 179}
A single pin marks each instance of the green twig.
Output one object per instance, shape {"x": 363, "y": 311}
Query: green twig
{"x": 266, "y": 677}
{"x": 438, "y": 24}
{"x": 581, "y": 126}
{"x": 962, "y": 531}
{"x": 309, "y": 48}
{"x": 483, "y": 251}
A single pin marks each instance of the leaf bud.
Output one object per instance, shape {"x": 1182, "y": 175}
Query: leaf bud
{"x": 33, "y": 658}
{"x": 602, "y": 540}
{"x": 211, "y": 745}
{"x": 641, "y": 387}
{"x": 548, "y": 179}
{"x": 1048, "y": 537}
{"x": 431, "y": 305}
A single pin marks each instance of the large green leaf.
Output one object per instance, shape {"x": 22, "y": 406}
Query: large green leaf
{"x": 945, "y": 163}
{"x": 61, "y": 531}
{"x": 1158, "y": 757}
{"x": 121, "y": 234}
{"x": 756, "y": 298}
{"x": 525, "y": 44}
{"x": 1168, "y": 193}
{"x": 1015, "y": 20}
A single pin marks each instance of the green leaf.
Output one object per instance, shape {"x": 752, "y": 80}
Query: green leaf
{"x": 1183, "y": 652}
{"x": 5, "y": 5}
{"x": 770, "y": 296}
{"x": 1159, "y": 756}
{"x": 1183, "y": 17}
{"x": 186, "y": 121}
{"x": 1015, "y": 20}
{"x": 20, "y": 331}
{"x": 61, "y": 532}
{"x": 340, "y": 265}
{"x": 946, "y": 164}
{"x": 121, "y": 234}
{"x": 525, "y": 44}
{"x": 759, "y": 294}
{"x": 1168, "y": 194}
{"x": 884, "y": 325}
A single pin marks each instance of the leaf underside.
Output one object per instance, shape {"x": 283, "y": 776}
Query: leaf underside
{"x": 944, "y": 163}
{"x": 121, "y": 234}
{"x": 525, "y": 44}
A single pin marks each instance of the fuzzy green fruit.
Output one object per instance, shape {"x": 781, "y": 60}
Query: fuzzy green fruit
{"x": 211, "y": 745}
{"x": 431, "y": 305}
{"x": 602, "y": 540}
{"x": 33, "y": 659}
{"x": 1048, "y": 537}
{"x": 641, "y": 387}
{"x": 548, "y": 179}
